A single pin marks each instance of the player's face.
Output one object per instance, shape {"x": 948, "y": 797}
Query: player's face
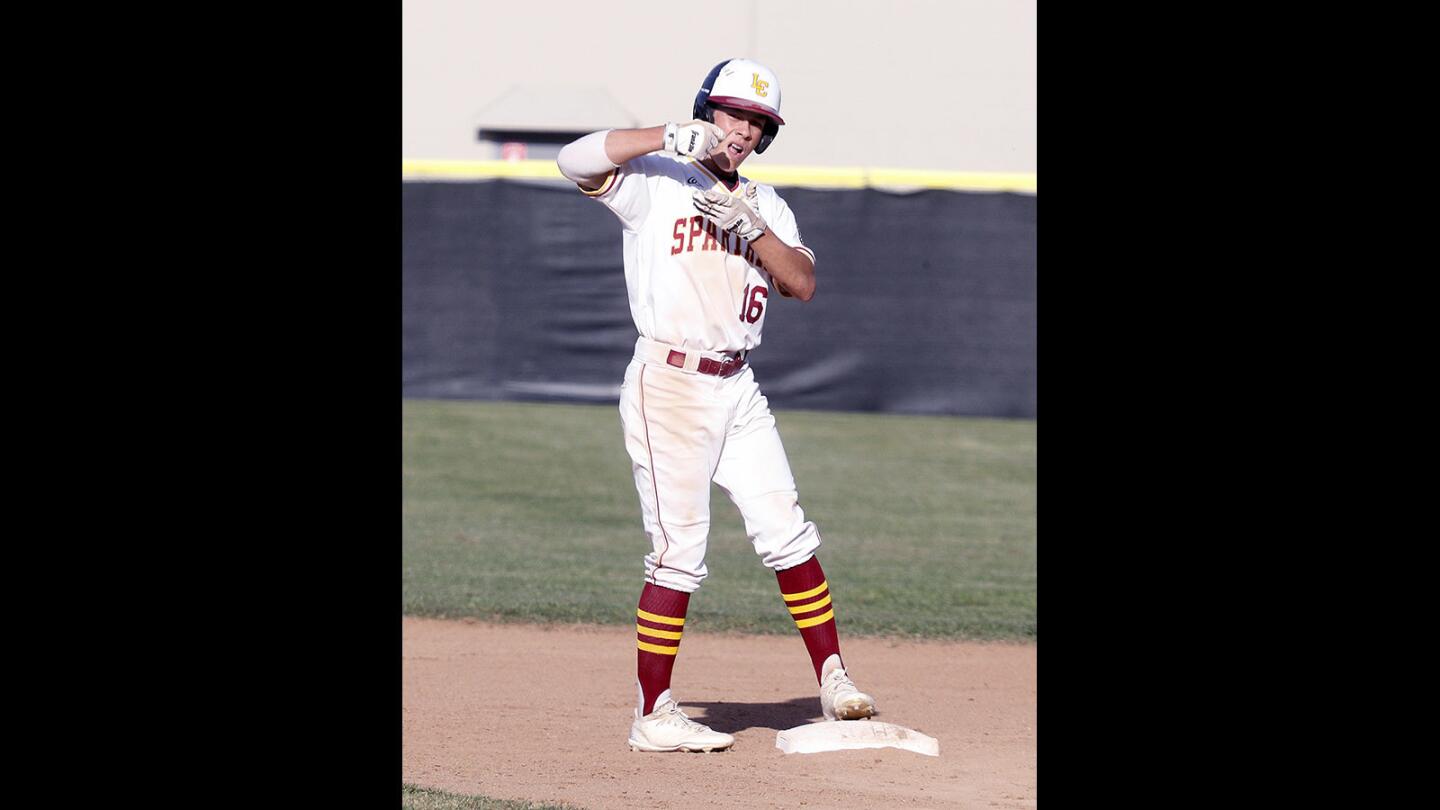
{"x": 742, "y": 133}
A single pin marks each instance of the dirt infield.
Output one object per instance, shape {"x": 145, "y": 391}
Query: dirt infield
{"x": 542, "y": 713}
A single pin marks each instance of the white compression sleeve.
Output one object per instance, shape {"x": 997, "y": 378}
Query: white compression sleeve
{"x": 585, "y": 158}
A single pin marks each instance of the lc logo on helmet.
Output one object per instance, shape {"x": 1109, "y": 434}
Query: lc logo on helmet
{"x": 760, "y": 87}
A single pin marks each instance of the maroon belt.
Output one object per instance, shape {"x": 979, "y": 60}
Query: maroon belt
{"x": 730, "y": 366}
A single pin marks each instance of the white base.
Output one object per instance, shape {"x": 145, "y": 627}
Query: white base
{"x": 843, "y": 735}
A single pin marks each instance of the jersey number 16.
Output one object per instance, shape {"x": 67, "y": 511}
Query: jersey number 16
{"x": 752, "y": 304}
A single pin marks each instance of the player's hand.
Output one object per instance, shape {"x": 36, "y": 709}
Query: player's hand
{"x": 695, "y": 139}
{"x": 738, "y": 215}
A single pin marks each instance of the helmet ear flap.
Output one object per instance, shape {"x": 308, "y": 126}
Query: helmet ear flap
{"x": 771, "y": 130}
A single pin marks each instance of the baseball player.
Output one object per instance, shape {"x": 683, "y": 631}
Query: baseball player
{"x": 703, "y": 249}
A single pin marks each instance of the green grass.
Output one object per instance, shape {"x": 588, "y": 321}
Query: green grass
{"x": 418, "y": 798}
{"x": 528, "y": 512}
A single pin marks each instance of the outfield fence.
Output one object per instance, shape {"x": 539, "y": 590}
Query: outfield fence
{"x": 514, "y": 288}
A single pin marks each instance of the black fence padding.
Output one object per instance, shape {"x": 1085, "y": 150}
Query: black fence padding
{"x": 925, "y": 302}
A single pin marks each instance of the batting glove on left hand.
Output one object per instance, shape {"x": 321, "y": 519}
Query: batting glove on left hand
{"x": 738, "y": 215}
{"x": 695, "y": 139}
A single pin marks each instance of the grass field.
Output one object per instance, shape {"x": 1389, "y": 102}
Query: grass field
{"x": 528, "y": 512}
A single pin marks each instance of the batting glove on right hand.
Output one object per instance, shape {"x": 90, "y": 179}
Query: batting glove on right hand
{"x": 694, "y": 139}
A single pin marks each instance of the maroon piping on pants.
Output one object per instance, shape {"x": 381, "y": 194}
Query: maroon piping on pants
{"x": 654, "y": 483}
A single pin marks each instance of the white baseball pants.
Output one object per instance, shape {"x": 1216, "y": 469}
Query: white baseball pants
{"x": 684, "y": 429}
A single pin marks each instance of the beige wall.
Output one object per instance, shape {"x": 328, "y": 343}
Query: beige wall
{"x": 936, "y": 84}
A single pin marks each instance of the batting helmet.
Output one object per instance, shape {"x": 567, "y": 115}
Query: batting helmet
{"x": 745, "y": 85}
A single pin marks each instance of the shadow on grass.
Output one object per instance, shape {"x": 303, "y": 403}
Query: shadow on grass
{"x": 729, "y": 717}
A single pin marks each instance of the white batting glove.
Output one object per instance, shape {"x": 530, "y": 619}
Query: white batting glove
{"x": 694, "y": 139}
{"x": 738, "y": 215}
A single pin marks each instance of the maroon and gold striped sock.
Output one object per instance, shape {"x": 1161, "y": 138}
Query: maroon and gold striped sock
{"x": 658, "y": 623}
{"x": 807, "y": 595}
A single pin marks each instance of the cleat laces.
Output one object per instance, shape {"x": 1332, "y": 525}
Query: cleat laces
{"x": 673, "y": 716}
{"x": 839, "y": 682}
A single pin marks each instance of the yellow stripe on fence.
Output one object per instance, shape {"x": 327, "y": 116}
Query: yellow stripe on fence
{"x": 804, "y": 176}
{"x": 478, "y": 169}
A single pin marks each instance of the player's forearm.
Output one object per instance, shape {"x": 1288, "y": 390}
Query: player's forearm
{"x": 789, "y": 267}
{"x": 627, "y": 144}
{"x": 587, "y": 160}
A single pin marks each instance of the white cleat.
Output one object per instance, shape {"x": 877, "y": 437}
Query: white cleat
{"x": 840, "y": 700}
{"x": 668, "y": 729}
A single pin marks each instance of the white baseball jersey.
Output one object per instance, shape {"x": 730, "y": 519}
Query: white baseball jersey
{"x": 691, "y": 285}
{"x": 700, "y": 289}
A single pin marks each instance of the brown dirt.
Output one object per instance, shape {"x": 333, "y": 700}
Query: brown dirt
{"x": 542, "y": 714}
